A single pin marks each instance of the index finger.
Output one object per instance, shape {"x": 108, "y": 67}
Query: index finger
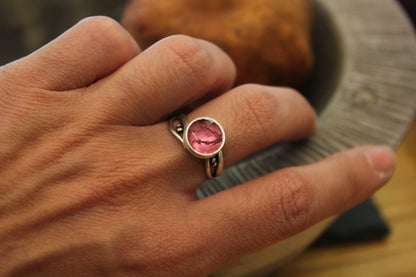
{"x": 271, "y": 208}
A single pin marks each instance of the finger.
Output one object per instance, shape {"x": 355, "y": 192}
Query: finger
{"x": 170, "y": 74}
{"x": 253, "y": 117}
{"x": 92, "y": 49}
{"x": 256, "y": 116}
{"x": 274, "y": 207}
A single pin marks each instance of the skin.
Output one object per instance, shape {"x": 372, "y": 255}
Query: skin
{"x": 92, "y": 183}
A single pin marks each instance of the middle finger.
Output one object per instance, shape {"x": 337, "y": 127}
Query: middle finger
{"x": 168, "y": 75}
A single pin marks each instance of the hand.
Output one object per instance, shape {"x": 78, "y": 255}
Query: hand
{"x": 92, "y": 182}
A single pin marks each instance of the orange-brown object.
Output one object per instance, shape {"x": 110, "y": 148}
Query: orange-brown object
{"x": 269, "y": 40}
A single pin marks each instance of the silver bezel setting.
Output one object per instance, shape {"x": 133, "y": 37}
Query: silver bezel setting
{"x": 191, "y": 150}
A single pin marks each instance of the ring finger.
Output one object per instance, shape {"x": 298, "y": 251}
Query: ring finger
{"x": 253, "y": 117}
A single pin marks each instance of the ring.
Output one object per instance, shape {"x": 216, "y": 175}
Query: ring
{"x": 203, "y": 138}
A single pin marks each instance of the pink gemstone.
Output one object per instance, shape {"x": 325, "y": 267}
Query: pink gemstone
{"x": 205, "y": 136}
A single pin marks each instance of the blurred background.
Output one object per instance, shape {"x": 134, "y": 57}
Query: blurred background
{"x": 26, "y": 25}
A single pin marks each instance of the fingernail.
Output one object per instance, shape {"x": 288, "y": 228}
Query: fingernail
{"x": 382, "y": 159}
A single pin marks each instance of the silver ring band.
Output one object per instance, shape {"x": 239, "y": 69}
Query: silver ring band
{"x": 203, "y": 138}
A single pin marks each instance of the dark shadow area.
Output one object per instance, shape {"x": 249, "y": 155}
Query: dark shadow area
{"x": 410, "y": 8}
{"x": 26, "y": 25}
{"x": 328, "y": 60}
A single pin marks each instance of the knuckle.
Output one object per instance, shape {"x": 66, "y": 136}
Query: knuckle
{"x": 188, "y": 56}
{"x": 291, "y": 91}
{"x": 258, "y": 109}
{"x": 108, "y": 33}
{"x": 307, "y": 117}
{"x": 293, "y": 211}
{"x": 99, "y": 24}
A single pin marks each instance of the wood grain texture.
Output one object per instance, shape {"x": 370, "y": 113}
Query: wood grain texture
{"x": 372, "y": 102}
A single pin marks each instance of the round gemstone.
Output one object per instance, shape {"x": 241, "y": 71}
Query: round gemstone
{"x": 205, "y": 136}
